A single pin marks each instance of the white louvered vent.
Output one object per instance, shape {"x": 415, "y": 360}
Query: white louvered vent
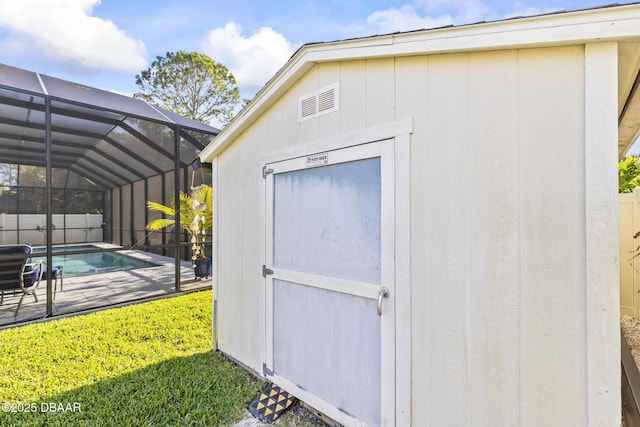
{"x": 308, "y": 107}
{"x": 317, "y": 103}
{"x": 326, "y": 100}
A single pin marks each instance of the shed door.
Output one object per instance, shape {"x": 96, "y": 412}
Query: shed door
{"x": 330, "y": 297}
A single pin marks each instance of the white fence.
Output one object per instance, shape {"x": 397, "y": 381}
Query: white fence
{"x": 72, "y": 228}
{"x": 629, "y": 264}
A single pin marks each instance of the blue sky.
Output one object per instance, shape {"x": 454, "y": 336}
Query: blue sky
{"x": 106, "y": 43}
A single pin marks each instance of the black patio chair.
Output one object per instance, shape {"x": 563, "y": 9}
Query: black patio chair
{"x": 18, "y": 272}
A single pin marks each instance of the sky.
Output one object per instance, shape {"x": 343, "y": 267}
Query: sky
{"x": 106, "y": 43}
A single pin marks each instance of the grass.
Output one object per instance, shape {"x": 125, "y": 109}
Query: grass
{"x": 148, "y": 364}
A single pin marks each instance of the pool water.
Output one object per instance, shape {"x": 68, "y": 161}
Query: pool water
{"x": 92, "y": 263}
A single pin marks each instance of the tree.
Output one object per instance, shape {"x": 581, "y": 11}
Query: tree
{"x": 195, "y": 212}
{"x": 190, "y": 84}
{"x": 628, "y": 174}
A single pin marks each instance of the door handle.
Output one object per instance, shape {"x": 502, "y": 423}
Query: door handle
{"x": 382, "y": 293}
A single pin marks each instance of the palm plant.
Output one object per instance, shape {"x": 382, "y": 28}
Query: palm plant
{"x": 195, "y": 213}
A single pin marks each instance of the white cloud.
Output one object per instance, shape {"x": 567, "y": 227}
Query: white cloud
{"x": 252, "y": 60}
{"x": 423, "y": 14}
{"x": 464, "y": 11}
{"x": 521, "y": 9}
{"x": 405, "y": 19}
{"x": 64, "y": 32}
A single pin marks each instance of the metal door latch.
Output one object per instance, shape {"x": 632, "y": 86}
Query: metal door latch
{"x": 382, "y": 293}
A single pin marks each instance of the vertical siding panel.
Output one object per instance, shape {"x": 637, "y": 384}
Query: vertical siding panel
{"x": 552, "y": 233}
{"x": 352, "y": 95}
{"x": 252, "y": 287}
{"x": 309, "y": 130}
{"x": 602, "y": 290}
{"x": 241, "y": 296}
{"x": 380, "y": 95}
{"x": 215, "y": 279}
{"x": 494, "y": 285}
{"x": 446, "y": 270}
{"x": 274, "y": 126}
{"x": 288, "y": 104}
{"x": 243, "y": 248}
{"x": 411, "y": 91}
{"x": 412, "y": 101}
{"x": 229, "y": 317}
{"x": 330, "y": 124}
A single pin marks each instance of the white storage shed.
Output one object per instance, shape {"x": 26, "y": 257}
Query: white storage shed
{"x": 421, "y": 228}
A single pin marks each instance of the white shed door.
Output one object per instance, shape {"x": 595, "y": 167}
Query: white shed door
{"x": 330, "y": 295}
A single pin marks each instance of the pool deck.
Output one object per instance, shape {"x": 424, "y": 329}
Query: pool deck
{"x": 85, "y": 293}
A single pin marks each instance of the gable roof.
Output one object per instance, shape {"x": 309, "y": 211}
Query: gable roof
{"x": 607, "y": 23}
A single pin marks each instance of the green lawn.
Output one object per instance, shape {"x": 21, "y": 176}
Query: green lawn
{"x": 148, "y": 364}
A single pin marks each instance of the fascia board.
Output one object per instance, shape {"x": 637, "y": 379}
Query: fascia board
{"x": 563, "y": 29}
{"x": 566, "y": 28}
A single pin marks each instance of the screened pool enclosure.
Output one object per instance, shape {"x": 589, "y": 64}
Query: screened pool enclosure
{"x": 77, "y": 167}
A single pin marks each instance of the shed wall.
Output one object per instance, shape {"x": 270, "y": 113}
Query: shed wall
{"x": 497, "y": 197}
{"x": 498, "y": 315}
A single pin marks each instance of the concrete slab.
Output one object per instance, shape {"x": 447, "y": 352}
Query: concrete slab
{"x": 103, "y": 290}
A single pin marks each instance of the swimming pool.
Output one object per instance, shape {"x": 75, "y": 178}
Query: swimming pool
{"x": 91, "y": 263}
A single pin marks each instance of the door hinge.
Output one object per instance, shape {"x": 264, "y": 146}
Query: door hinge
{"x": 266, "y": 271}
{"x": 266, "y": 371}
{"x": 266, "y": 171}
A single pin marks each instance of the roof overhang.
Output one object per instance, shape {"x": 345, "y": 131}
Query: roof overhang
{"x": 628, "y": 95}
{"x": 619, "y": 23}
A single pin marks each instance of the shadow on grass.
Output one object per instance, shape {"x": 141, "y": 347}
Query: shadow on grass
{"x": 200, "y": 390}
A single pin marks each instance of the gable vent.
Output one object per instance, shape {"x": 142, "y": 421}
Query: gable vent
{"x": 327, "y": 100}
{"x": 317, "y": 103}
{"x": 308, "y": 107}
